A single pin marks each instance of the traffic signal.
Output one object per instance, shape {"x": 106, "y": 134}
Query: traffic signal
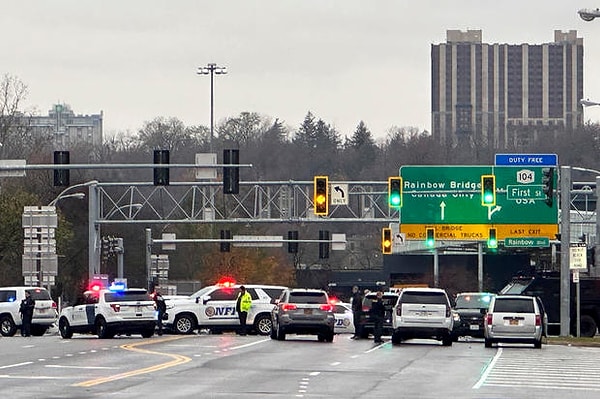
{"x": 321, "y": 195}
{"x": 488, "y": 190}
{"x": 548, "y": 185}
{"x": 386, "y": 240}
{"x": 492, "y": 240}
{"x": 323, "y": 244}
{"x": 395, "y": 192}
{"x": 225, "y": 245}
{"x": 61, "y": 176}
{"x": 231, "y": 174}
{"x": 293, "y": 242}
{"x": 430, "y": 237}
{"x": 161, "y": 175}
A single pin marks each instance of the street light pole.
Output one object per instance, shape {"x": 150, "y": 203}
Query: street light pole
{"x": 212, "y": 69}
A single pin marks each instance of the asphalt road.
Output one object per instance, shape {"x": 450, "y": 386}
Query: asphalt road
{"x": 227, "y": 366}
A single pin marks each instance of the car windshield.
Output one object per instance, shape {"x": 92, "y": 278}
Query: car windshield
{"x": 308, "y": 297}
{"x": 424, "y": 297}
{"x": 514, "y": 305}
{"x": 516, "y": 287}
{"x": 38, "y": 294}
{"x": 389, "y": 301}
{"x": 126, "y": 296}
{"x": 473, "y": 301}
{"x": 201, "y": 292}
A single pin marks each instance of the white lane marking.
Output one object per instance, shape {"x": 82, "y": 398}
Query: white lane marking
{"x": 375, "y": 348}
{"x": 335, "y": 363}
{"x": 315, "y": 373}
{"x": 58, "y": 366}
{"x": 488, "y": 369}
{"x": 250, "y": 344}
{"x": 354, "y": 356}
{"x": 33, "y": 377}
{"x": 15, "y": 365}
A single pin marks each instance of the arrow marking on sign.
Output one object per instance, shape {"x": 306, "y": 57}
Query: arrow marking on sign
{"x": 339, "y": 190}
{"x": 492, "y": 211}
{"x": 442, "y": 208}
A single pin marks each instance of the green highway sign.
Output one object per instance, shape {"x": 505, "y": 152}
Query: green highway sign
{"x": 527, "y": 242}
{"x": 452, "y": 195}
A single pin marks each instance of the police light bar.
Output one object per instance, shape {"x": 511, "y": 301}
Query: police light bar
{"x": 117, "y": 286}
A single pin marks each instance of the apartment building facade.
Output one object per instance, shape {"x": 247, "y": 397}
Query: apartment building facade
{"x": 505, "y": 95}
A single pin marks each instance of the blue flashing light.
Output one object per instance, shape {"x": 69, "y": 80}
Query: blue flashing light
{"x": 117, "y": 287}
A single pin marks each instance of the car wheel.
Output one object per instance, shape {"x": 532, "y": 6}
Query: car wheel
{"x": 184, "y": 324}
{"x": 396, "y": 339}
{"x": 280, "y": 333}
{"x": 64, "y": 328}
{"x": 148, "y": 333}
{"x": 537, "y": 344}
{"x": 273, "y": 333}
{"x": 320, "y": 337}
{"x": 7, "y": 326}
{"x": 329, "y": 336}
{"x": 488, "y": 343}
{"x": 454, "y": 338}
{"x": 102, "y": 328}
{"x": 587, "y": 326}
{"x": 263, "y": 325}
{"x": 447, "y": 340}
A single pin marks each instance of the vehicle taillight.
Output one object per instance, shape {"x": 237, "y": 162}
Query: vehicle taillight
{"x": 399, "y": 310}
{"x": 326, "y": 308}
{"x": 54, "y": 306}
{"x": 366, "y": 309}
{"x": 448, "y": 311}
{"x": 288, "y": 306}
{"x": 116, "y": 307}
{"x": 538, "y": 320}
{"x": 488, "y": 319}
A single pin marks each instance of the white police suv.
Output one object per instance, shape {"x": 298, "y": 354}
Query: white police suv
{"x": 213, "y": 308}
{"x": 108, "y": 312}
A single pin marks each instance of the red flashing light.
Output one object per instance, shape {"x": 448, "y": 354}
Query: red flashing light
{"x": 333, "y": 300}
{"x": 95, "y": 287}
{"x": 116, "y": 307}
{"x": 227, "y": 282}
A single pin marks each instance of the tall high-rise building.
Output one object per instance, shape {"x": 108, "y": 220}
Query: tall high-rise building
{"x": 505, "y": 95}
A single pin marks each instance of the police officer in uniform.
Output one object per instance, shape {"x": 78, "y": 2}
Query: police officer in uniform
{"x": 161, "y": 308}
{"x": 356, "y": 312}
{"x": 378, "y": 315}
{"x": 26, "y": 310}
{"x": 242, "y": 307}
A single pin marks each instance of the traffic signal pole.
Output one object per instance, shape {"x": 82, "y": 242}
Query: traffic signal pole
{"x": 565, "y": 240}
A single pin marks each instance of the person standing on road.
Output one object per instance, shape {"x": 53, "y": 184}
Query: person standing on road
{"x": 26, "y": 310}
{"x": 242, "y": 307}
{"x": 356, "y": 312}
{"x": 161, "y": 308}
{"x": 378, "y": 314}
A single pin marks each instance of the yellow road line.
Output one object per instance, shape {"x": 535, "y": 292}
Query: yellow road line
{"x": 177, "y": 359}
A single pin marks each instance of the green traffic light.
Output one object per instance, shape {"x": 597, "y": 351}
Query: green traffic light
{"x": 395, "y": 200}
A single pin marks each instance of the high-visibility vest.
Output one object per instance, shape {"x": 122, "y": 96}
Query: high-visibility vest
{"x": 245, "y": 302}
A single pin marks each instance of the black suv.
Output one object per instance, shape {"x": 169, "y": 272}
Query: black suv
{"x": 471, "y": 308}
{"x": 367, "y": 325}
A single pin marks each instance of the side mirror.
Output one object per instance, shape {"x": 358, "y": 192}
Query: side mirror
{"x": 205, "y": 299}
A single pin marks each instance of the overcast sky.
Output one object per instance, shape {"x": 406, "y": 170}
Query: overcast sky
{"x": 345, "y": 61}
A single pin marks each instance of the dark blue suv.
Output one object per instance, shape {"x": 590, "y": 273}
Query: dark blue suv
{"x": 471, "y": 308}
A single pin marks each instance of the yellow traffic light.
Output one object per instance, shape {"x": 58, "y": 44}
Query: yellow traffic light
{"x": 321, "y": 195}
{"x": 386, "y": 240}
